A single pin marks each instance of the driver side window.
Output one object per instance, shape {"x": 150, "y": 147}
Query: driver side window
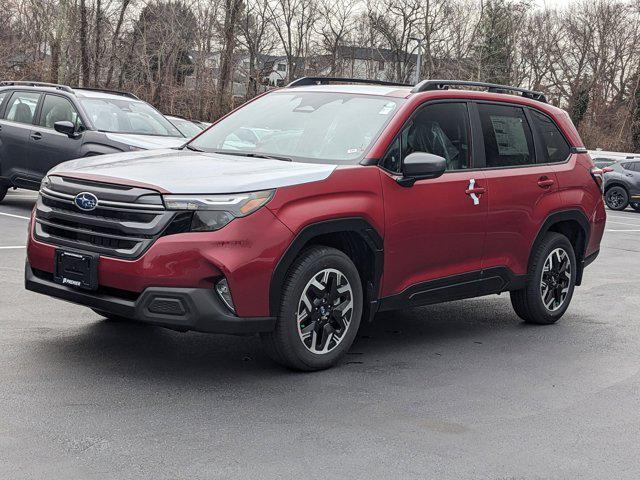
{"x": 58, "y": 109}
{"x": 441, "y": 129}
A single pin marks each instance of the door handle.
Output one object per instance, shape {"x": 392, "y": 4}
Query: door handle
{"x": 36, "y": 135}
{"x": 545, "y": 182}
{"x": 473, "y": 191}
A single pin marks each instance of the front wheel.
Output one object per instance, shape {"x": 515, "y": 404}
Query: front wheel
{"x": 319, "y": 313}
{"x": 550, "y": 282}
{"x": 3, "y": 191}
{"x": 635, "y": 206}
{"x": 616, "y": 198}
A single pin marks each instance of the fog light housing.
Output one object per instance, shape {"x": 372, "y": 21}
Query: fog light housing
{"x": 222, "y": 288}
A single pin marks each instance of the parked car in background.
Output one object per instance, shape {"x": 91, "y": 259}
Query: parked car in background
{"x": 281, "y": 218}
{"x": 603, "y": 159}
{"x": 188, "y": 128}
{"x": 42, "y": 125}
{"x": 622, "y": 184}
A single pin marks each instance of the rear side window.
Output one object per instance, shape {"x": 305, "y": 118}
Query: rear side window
{"x": 2, "y": 95}
{"x": 22, "y": 107}
{"x": 555, "y": 147}
{"x": 507, "y": 136}
{"x": 632, "y": 166}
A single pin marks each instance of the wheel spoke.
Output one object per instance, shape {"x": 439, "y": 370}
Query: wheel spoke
{"x": 325, "y": 311}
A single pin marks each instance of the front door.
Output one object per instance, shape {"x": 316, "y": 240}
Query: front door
{"x": 435, "y": 229}
{"x": 50, "y": 147}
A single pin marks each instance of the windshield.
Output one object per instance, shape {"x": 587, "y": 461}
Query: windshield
{"x": 127, "y": 116}
{"x": 187, "y": 128}
{"x": 316, "y": 127}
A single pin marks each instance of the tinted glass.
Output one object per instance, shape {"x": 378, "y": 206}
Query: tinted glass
{"x": 22, "y": 107}
{"x": 556, "y": 148}
{"x": 507, "y": 136}
{"x": 603, "y": 163}
{"x": 2, "y": 95}
{"x": 441, "y": 129}
{"x": 314, "y": 127}
{"x": 632, "y": 166}
{"x": 58, "y": 109}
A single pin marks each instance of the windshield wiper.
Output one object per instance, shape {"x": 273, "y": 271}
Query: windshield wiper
{"x": 257, "y": 155}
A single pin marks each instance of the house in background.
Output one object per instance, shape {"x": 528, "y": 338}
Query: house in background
{"x": 372, "y": 63}
{"x": 274, "y": 70}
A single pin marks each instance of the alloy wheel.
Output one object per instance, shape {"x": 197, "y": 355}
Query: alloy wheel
{"x": 324, "y": 311}
{"x": 616, "y": 199}
{"x": 556, "y": 279}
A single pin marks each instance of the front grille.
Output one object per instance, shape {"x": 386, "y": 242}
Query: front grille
{"x": 125, "y": 223}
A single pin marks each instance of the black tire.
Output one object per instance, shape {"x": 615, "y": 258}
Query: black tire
{"x": 109, "y": 317}
{"x": 635, "y": 206}
{"x": 285, "y": 345}
{"x": 3, "y": 191}
{"x": 528, "y": 302}
{"x": 616, "y": 198}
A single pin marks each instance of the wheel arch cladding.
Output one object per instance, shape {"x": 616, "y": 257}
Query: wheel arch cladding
{"x": 355, "y": 237}
{"x": 616, "y": 183}
{"x": 574, "y": 225}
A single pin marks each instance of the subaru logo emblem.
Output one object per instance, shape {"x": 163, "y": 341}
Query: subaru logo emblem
{"x": 86, "y": 201}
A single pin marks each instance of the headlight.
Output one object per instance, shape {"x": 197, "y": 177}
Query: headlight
{"x": 212, "y": 212}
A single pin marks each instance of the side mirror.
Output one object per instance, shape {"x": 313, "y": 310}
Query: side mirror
{"x": 421, "y": 165}
{"x": 66, "y": 127}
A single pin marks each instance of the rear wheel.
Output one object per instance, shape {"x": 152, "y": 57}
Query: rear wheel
{"x": 319, "y": 313}
{"x": 616, "y": 198}
{"x": 3, "y": 191}
{"x": 635, "y": 206}
{"x": 550, "y": 282}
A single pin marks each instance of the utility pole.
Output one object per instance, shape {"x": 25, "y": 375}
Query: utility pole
{"x": 419, "y": 59}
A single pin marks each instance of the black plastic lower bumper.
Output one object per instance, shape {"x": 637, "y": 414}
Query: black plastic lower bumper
{"x": 197, "y": 309}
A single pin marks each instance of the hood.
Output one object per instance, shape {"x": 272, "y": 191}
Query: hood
{"x": 146, "y": 142}
{"x": 184, "y": 171}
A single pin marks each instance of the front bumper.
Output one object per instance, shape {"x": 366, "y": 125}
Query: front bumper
{"x": 197, "y": 309}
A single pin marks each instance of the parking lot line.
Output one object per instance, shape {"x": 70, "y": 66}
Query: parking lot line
{"x": 14, "y": 216}
{"x": 12, "y": 247}
{"x": 624, "y": 223}
{"x": 616, "y": 230}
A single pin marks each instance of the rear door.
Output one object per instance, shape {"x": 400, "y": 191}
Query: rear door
{"x": 50, "y": 147}
{"x": 15, "y": 131}
{"x": 521, "y": 184}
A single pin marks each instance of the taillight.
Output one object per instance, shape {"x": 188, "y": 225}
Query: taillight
{"x": 598, "y": 176}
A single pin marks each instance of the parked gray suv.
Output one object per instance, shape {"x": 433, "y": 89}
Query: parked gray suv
{"x": 42, "y": 125}
{"x": 622, "y": 185}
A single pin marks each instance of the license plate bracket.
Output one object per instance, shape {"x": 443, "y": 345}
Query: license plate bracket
{"x": 75, "y": 269}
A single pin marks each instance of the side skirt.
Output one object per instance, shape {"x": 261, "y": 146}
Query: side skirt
{"x": 456, "y": 287}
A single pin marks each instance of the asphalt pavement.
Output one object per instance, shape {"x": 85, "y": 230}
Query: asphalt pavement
{"x": 462, "y": 390}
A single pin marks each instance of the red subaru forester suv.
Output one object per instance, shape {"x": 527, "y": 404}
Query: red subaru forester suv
{"x": 315, "y": 206}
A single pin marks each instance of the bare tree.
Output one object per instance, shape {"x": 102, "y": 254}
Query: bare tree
{"x": 293, "y": 21}
{"x": 258, "y": 37}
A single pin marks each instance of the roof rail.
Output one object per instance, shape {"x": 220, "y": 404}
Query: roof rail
{"x": 106, "y": 90}
{"x": 429, "y": 85}
{"x": 28, "y": 83}
{"x": 305, "y": 81}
